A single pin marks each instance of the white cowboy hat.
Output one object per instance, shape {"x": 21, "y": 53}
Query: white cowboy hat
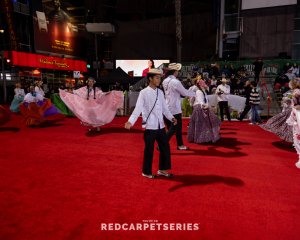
{"x": 174, "y": 66}
{"x": 155, "y": 71}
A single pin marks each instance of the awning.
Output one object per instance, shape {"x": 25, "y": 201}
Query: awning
{"x": 42, "y": 61}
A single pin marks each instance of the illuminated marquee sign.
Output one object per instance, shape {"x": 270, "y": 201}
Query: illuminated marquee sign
{"x": 42, "y": 61}
{"x": 54, "y": 63}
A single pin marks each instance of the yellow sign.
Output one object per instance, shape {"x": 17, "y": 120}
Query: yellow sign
{"x": 54, "y": 62}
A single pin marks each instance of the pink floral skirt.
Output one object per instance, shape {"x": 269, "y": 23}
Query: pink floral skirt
{"x": 94, "y": 112}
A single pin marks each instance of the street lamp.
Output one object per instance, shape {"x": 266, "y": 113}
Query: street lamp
{"x": 3, "y": 69}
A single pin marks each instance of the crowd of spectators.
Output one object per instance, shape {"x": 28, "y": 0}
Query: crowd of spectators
{"x": 213, "y": 74}
{"x": 288, "y": 72}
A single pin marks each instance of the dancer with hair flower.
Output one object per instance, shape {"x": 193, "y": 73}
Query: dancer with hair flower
{"x": 204, "y": 124}
{"x": 294, "y": 120}
{"x": 93, "y": 107}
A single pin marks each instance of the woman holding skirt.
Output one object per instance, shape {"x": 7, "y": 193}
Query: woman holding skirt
{"x": 93, "y": 107}
{"x": 294, "y": 121}
{"x": 277, "y": 124}
{"x": 18, "y": 98}
{"x": 204, "y": 124}
{"x": 37, "y": 110}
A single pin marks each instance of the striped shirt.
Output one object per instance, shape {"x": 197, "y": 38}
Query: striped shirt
{"x": 254, "y": 97}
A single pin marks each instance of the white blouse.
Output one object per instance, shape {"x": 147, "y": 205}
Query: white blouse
{"x": 82, "y": 92}
{"x": 201, "y": 98}
{"x": 19, "y": 92}
{"x": 39, "y": 91}
{"x": 30, "y": 98}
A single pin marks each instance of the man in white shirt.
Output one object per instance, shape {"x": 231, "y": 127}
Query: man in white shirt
{"x": 173, "y": 92}
{"x": 223, "y": 91}
{"x": 151, "y": 103}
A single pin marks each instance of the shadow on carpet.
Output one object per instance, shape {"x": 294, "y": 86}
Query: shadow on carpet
{"x": 9, "y": 129}
{"x": 283, "y": 145}
{"x": 194, "y": 180}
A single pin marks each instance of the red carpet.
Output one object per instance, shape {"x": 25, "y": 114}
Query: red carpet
{"x": 60, "y": 183}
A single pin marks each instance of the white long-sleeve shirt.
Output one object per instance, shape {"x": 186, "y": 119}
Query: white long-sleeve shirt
{"x": 192, "y": 99}
{"x": 173, "y": 92}
{"x": 200, "y": 98}
{"x": 193, "y": 88}
{"x": 39, "y": 91}
{"x": 30, "y": 98}
{"x": 226, "y": 91}
{"x": 19, "y": 92}
{"x": 144, "y": 105}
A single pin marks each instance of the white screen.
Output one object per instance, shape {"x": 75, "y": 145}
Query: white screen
{"x": 251, "y": 4}
{"x": 137, "y": 66}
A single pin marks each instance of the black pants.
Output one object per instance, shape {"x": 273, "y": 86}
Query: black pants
{"x": 150, "y": 136}
{"x": 172, "y": 129}
{"x": 246, "y": 110}
{"x": 256, "y": 77}
{"x": 223, "y": 105}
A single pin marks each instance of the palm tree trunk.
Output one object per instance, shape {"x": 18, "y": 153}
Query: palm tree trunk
{"x": 178, "y": 29}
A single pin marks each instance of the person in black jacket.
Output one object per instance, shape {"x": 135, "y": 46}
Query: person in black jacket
{"x": 258, "y": 66}
{"x": 247, "y": 92}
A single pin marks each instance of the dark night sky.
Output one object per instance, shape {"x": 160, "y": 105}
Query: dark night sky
{"x": 127, "y": 10}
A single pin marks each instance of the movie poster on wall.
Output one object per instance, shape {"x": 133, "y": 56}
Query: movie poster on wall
{"x": 54, "y": 29}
